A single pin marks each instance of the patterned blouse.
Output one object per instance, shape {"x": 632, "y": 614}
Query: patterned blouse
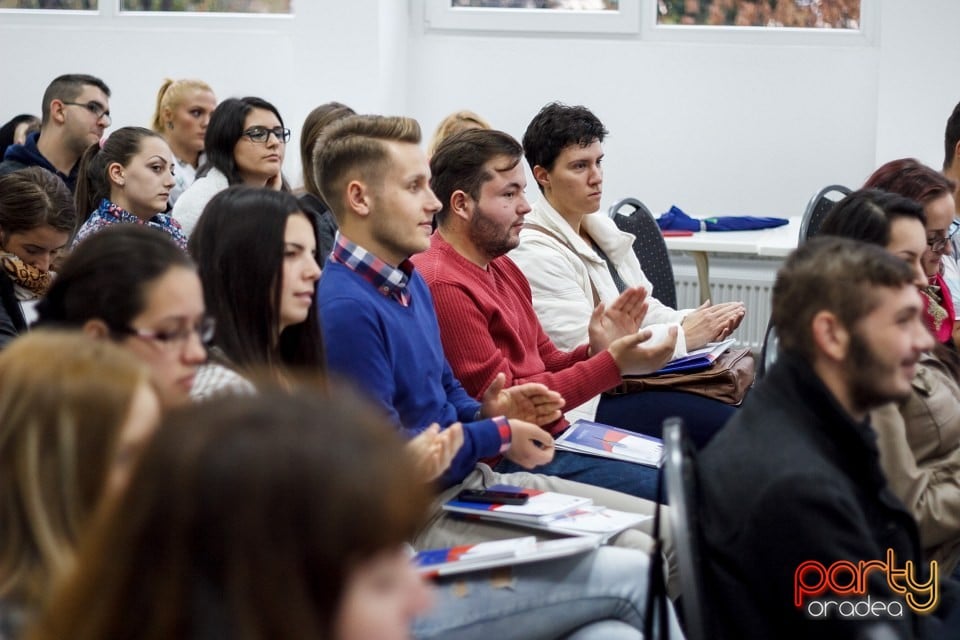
{"x": 109, "y": 213}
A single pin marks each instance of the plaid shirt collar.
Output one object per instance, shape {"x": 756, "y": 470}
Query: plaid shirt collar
{"x": 390, "y": 281}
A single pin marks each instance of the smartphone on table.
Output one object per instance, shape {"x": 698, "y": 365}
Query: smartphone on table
{"x": 486, "y": 496}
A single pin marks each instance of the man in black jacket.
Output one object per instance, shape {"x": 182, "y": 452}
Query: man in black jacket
{"x": 792, "y": 485}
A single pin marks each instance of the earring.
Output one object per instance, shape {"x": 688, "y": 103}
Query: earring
{"x": 170, "y": 125}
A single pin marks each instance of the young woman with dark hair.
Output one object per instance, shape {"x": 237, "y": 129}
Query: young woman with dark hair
{"x": 132, "y": 284}
{"x": 127, "y": 180}
{"x": 37, "y": 217}
{"x": 256, "y": 254}
{"x": 245, "y": 144}
{"x": 73, "y": 414}
{"x": 918, "y": 439}
{"x": 912, "y": 179}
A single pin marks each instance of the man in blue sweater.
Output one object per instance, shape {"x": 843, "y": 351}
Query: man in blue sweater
{"x": 381, "y": 331}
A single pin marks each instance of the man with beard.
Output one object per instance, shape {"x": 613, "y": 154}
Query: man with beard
{"x": 793, "y": 484}
{"x": 75, "y": 113}
{"x": 487, "y": 323}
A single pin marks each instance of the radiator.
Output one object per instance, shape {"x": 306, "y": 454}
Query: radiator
{"x": 749, "y": 281}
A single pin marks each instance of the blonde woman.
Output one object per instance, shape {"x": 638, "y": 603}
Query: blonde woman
{"x": 73, "y": 413}
{"x": 455, "y": 123}
{"x": 181, "y": 117}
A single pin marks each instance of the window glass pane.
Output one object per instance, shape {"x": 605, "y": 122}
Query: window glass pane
{"x": 209, "y": 6}
{"x": 54, "y": 5}
{"x": 804, "y": 14}
{"x": 568, "y": 5}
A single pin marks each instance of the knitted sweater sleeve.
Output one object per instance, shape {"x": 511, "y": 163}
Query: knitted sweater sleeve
{"x": 356, "y": 350}
{"x": 476, "y": 358}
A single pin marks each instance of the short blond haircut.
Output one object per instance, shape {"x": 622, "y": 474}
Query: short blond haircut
{"x": 456, "y": 122}
{"x": 64, "y": 398}
{"x": 354, "y": 147}
{"x": 171, "y": 95}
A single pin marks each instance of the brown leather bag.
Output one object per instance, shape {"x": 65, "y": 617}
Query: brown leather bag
{"x": 727, "y": 380}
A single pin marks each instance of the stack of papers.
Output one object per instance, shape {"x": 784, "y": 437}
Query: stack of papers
{"x": 698, "y": 359}
{"x": 593, "y": 438}
{"x": 541, "y": 506}
{"x": 499, "y": 553}
{"x": 550, "y": 511}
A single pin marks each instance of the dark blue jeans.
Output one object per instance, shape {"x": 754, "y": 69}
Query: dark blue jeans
{"x": 627, "y": 477}
{"x": 645, "y": 411}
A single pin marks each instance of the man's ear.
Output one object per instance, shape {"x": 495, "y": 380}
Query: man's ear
{"x": 358, "y": 198}
{"x": 56, "y": 111}
{"x": 460, "y": 205}
{"x": 96, "y": 328}
{"x": 830, "y": 337}
{"x": 542, "y": 176}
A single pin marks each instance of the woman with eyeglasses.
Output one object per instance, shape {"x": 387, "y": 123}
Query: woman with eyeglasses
{"x": 245, "y": 144}
{"x": 133, "y": 285}
{"x": 37, "y": 218}
{"x": 912, "y": 179}
{"x": 256, "y": 253}
{"x": 181, "y": 117}
{"x": 126, "y": 179}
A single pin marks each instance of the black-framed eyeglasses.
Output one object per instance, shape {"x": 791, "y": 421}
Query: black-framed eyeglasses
{"x": 262, "y": 134}
{"x": 940, "y": 242}
{"x": 177, "y": 338}
{"x": 94, "y": 107}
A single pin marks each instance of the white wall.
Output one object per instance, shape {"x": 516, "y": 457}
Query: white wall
{"x": 719, "y": 128}
{"x": 347, "y": 51}
{"x": 715, "y": 128}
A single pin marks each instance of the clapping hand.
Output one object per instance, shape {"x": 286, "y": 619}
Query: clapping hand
{"x": 531, "y": 402}
{"x": 622, "y": 318}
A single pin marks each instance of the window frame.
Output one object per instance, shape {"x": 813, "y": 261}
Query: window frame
{"x": 113, "y": 9}
{"x": 866, "y": 35}
{"x": 440, "y": 16}
{"x": 639, "y": 18}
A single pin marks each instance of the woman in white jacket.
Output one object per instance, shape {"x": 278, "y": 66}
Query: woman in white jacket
{"x": 575, "y": 259}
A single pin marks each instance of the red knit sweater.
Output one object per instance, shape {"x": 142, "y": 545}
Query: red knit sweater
{"x": 488, "y": 326}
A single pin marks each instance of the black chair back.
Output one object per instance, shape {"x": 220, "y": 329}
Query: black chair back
{"x": 632, "y": 216}
{"x": 679, "y": 468}
{"x": 769, "y": 351}
{"x": 818, "y": 208}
